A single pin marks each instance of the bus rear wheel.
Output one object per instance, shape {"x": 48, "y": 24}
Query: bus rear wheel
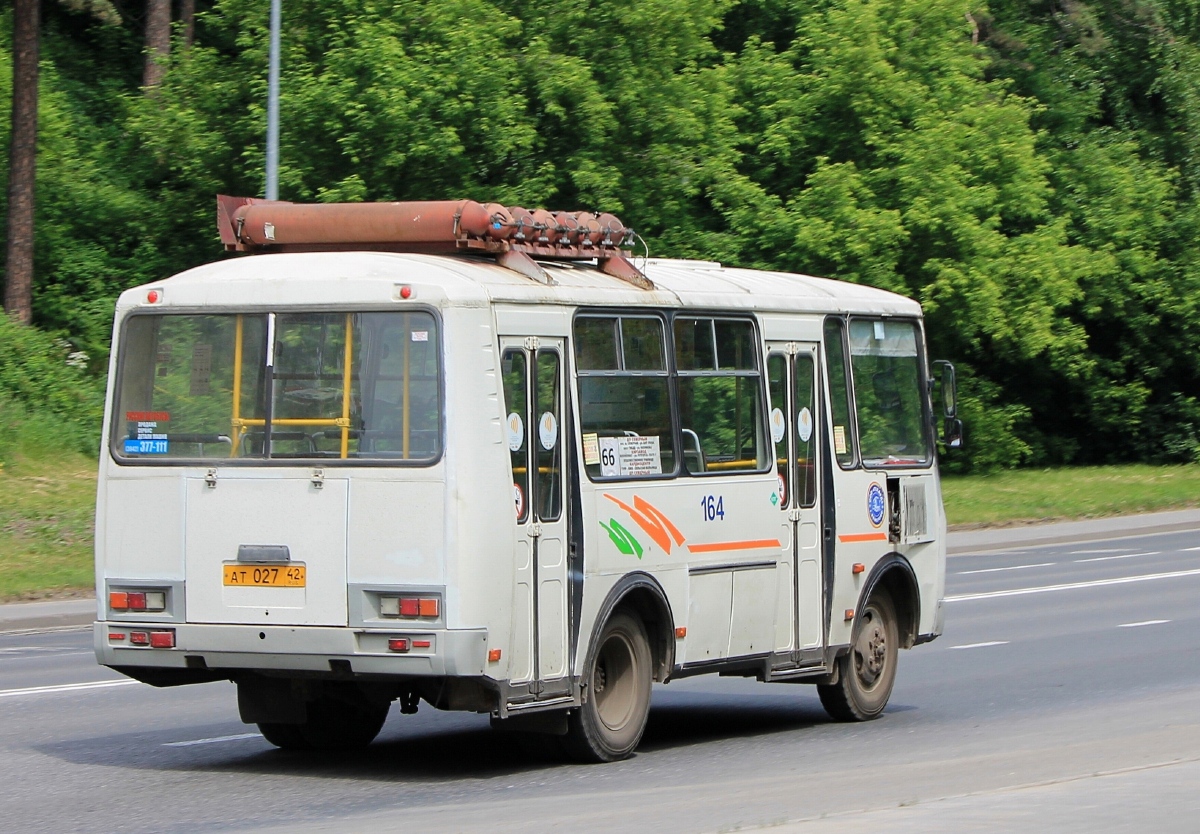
{"x": 868, "y": 671}
{"x": 609, "y": 724}
{"x": 331, "y": 724}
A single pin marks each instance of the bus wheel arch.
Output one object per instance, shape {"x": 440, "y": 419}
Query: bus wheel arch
{"x": 640, "y": 594}
{"x": 894, "y": 574}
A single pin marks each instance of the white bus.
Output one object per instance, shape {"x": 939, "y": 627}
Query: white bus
{"x": 402, "y": 454}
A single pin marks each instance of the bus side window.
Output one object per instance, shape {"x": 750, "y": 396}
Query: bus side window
{"x": 839, "y": 394}
{"x": 624, "y": 396}
{"x": 549, "y": 436}
{"x": 777, "y": 385}
{"x": 720, "y": 394}
{"x": 516, "y": 404}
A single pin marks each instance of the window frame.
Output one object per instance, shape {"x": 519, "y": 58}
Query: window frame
{"x": 673, "y": 376}
{"x": 114, "y": 423}
{"x": 666, "y": 373}
{"x": 757, "y": 372}
{"x": 848, "y": 376}
{"x": 923, "y": 388}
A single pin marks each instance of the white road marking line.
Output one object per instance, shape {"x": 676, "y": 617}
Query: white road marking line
{"x": 66, "y": 687}
{"x": 217, "y": 740}
{"x": 55, "y": 650}
{"x": 1070, "y": 586}
{"x": 1122, "y": 556}
{"x": 981, "y": 645}
{"x": 1142, "y": 623}
{"x": 1012, "y": 567}
{"x": 1189, "y": 549}
{"x": 1102, "y": 550}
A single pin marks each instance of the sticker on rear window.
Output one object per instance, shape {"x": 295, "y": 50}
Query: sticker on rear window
{"x": 145, "y": 447}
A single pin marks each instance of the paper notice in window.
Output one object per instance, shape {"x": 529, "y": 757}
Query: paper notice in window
{"x": 839, "y": 439}
{"x": 591, "y": 449}
{"x": 201, "y": 370}
{"x": 629, "y": 456}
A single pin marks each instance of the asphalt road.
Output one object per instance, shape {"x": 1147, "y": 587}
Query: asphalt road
{"x": 1064, "y": 696}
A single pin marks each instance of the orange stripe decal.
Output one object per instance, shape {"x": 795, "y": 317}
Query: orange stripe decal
{"x": 656, "y": 513}
{"x": 864, "y": 537}
{"x": 747, "y": 545}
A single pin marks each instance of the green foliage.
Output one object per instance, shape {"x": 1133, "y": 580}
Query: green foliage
{"x": 48, "y": 402}
{"x": 1028, "y": 171}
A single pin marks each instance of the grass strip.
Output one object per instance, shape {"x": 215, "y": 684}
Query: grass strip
{"x": 1034, "y": 495}
{"x": 47, "y": 508}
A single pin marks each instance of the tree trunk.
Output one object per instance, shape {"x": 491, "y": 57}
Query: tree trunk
{"x": 22, "y": 161}
{"x": 158, "y": 40}
{"x": 187, "y": 14}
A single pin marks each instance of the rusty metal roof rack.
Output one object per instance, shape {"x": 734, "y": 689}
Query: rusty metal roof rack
{"x": 513, "y": 235}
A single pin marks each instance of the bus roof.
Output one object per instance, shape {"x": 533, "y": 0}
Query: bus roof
{"x": 356, "y": 278}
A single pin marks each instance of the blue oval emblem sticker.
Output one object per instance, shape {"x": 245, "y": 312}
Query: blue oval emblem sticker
{"x": 876, "y": 504}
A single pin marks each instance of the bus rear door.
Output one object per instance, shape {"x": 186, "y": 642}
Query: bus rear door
{"x": 532, "y": 369}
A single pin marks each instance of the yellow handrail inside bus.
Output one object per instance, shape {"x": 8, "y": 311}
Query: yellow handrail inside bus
{"x": 236, "y": 429}
{"x": 345, "y": 424}
{"x": 239, "y": 423}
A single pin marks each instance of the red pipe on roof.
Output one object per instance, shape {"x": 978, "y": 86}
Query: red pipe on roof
{"x": 248, "y": 224}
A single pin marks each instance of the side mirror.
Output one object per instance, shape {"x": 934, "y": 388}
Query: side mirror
{"x": 949, "y": 388}
{"x": 952, "y": 427}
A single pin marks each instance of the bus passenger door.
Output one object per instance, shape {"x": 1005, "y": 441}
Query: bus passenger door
{"x": 792, "y": 377}
{"x": 532, "y": 369}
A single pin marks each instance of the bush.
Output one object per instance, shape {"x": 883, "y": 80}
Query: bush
{"x": 48, "y": 400}
{"x": 991, "y": 439}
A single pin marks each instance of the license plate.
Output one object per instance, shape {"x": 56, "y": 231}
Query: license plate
{"x": 265, "y": 576}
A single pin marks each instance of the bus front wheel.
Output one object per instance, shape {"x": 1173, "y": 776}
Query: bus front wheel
{"x": 868, "y": 671}
{"x": 609, "y": 724}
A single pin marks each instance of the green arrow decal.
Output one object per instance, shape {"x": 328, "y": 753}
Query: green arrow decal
{"x": 622, "y": 538}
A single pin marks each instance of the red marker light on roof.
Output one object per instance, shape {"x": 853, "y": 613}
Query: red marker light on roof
{"x": 406, "y": 291}
{"x": 153, "y": 297}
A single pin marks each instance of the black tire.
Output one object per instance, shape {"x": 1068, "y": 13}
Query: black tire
{"x": 616, "y": 699}
{"x": 868, "y": 671}
{"x": 332, "y": 724}
{"x": 284, "y": 736}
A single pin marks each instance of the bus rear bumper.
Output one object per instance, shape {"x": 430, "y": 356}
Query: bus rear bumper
{"x": 308, "y": 649}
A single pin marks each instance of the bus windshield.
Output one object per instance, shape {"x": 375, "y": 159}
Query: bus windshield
{"x": 332, "y": 385}
{"x": 887, "y": 392}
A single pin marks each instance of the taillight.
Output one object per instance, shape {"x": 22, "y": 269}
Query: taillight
{"x": 141, "y": 600}
{"x": 139, "y": 638}
{"x": 162, "y": 639}
{"x": 427, "y": 608}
